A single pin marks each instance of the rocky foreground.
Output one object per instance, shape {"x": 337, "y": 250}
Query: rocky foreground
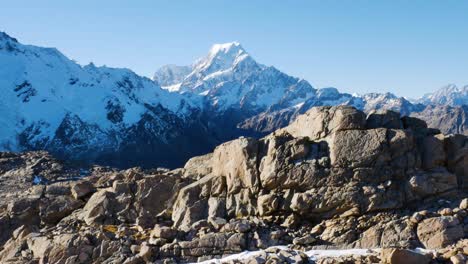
{"x": 332, "y": 181}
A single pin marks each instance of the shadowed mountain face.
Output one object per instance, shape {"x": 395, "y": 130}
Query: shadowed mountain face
{"x": 449, "y": 119}
{"x": 115, "y": 117}
{"x": 93, "y": 114}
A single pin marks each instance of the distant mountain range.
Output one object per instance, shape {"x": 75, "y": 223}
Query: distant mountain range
{"x": 116, "y": 117}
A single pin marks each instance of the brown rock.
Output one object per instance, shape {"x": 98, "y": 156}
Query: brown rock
{"x": 54, "y": 209}
{"x": 164, "y": 232}
{"x": 458, "y": 259}
{"x": 237, "y": 161}
{"x": 438, "y": 232}
{"x": 359, "y": 148}
{"x": 320, "y": 122}
{"x": 192, "y": 203}
{"x": 402, "y": 256}
{"x": 433, "y": 152}
{"x": 199, "y": 166}
{"x": 81, "y": 189}
{"x": 100, "y": 208}
{"x": 383, "y": 119}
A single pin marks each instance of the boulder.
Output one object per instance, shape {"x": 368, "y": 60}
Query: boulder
{"x": 433, "y": 182}
{"x": 267, "y": 204}
{"x": 100, "y": 208}
{"x": 402, "y": 256}
{"x": 52, "y": 210}
{"x": 153, "y": 195}
{"x": 39, "y": 245}
{"x": 412, "y": 123}
{"x": 163, "y": 232}
{"x": 438, "y": 232}
{"x": 384, "y": 119}
{"x": 395, "y": 233}
{"x": 192, "y": 202}
{"x": 81, "y": 189}
{"x": 198, "y": 166}
{"x": 237, "y": 161}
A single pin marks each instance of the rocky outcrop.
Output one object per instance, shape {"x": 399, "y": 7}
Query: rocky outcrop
{"x": 332, "y": 179}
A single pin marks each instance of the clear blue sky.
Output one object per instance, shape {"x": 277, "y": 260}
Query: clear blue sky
{"x": 406, "y": 47}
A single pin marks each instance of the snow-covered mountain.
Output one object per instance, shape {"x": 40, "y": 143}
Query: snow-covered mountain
{"x": 228, "y": 77}
{"x": 84, "y": 112}
{"x": 262, "y": 97}
{"x": 448, "y": 95}
{"x": 171, "y": 74}
{"x": 116, "y": 117}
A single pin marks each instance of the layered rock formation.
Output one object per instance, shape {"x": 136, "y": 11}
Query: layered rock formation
{"x": 333, "y": 179}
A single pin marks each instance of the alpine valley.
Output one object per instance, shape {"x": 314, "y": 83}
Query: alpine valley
{"x": 115, "y": 117}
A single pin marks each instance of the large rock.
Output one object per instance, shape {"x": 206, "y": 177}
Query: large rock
{"x": 154, "y": 194}
{"x": 237, "y": 161}
{"x": 199, "y": 166}
{"x": 320, "y": 122}
{"x": 396, "y": 233}
{"x": 436, "y": 181}
{"x": 100, "y": 208}
{"x": 433, "y": 152}
{"x": 385, "y": 119}
{"x": 54, "y": 209}
{"x": 402, "y": 256}
{"x": 457, "y": 157}
{"x": 360, "y": 148}
{"x": 292, "y": 163}
{"x": 213, "y": 245}
{"x": 325, "y": 201}
{"x": 81, "y": 189}
{"x": 438, "y": 232}
{"x": 192, "y": 203}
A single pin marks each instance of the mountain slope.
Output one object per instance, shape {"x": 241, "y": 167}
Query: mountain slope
{"x": 50, "y": 102}
{"x": 449, "y": 119}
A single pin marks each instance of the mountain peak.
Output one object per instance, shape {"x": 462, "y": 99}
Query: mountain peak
{"x": 4, "y": 36}
{"x": 221, "y": 57}
{"x": 450, "y": 88}
{"x": 450, "y": 94}
{"x": 226, "y": 48}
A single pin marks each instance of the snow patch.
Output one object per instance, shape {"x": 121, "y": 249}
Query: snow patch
{"x": 312, "y": 254}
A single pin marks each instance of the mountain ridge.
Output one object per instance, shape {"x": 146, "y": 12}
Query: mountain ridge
{"x": 114, "y": 116}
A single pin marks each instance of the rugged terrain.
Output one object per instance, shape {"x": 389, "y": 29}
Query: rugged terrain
{"x": 109, "y": 116}
{"x": 366, "y": 188}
